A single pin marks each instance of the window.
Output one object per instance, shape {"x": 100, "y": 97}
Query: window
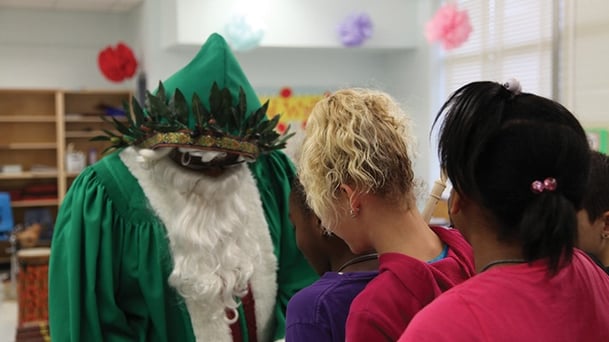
{"x": 510, "y": 38}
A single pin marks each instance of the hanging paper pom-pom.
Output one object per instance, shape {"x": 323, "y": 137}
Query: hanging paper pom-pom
{"x": 117, "y": 64}
{"x": 449, "y": 26}
{"x": 355, "y": 29}
{"x": 244, "y": 32}
{"x": 285, "y": 92}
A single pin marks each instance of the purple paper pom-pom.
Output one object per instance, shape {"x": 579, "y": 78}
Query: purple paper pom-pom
{"x": 355, "y": 29}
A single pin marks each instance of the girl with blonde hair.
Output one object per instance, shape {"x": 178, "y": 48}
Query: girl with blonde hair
{"x": 356, "y": 169}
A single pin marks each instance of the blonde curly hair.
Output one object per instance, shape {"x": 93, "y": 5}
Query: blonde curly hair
{"x": 359, "y": 137}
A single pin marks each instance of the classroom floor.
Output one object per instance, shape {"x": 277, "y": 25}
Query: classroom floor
{"x": 8, "y": 316}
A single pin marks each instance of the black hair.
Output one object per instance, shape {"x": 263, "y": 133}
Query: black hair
{"x": 596, "y": 199}
{"x": 300, "y": 195}
{"x": 494, "y": 143}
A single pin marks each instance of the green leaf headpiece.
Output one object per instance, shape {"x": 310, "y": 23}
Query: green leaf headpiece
{"x": 226, "y": 126}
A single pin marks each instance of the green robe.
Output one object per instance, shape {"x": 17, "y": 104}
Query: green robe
{"x": 110, "y": 258}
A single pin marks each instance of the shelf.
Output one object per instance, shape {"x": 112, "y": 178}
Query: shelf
{"x": 93, "y": 119}
{"x": 29, "y": 146}
{"x": 36, "y": 127}
{"x": 83, "y": 134}
{"x": 35, "y": 203}
{"x": 27, "y": 118}
{"x": 29, "y": 175}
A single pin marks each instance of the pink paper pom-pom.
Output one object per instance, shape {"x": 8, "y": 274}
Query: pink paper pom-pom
{"x": 449, "y": 26}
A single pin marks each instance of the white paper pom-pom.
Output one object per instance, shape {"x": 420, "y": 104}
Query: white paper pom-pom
{"x": 513, "y": 85}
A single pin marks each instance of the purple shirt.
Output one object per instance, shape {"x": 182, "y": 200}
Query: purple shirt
{"x": 319, "y": 312}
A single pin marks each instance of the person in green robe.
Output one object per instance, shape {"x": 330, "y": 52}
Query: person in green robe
{"x": 182, "y": 233}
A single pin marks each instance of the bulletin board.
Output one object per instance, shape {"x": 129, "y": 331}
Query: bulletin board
{"x": 294, "y": 106}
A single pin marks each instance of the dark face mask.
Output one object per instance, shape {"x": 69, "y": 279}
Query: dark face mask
{"x": 213, "y": 167}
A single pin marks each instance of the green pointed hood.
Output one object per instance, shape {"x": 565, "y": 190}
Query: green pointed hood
{"x": 215, "y": 62}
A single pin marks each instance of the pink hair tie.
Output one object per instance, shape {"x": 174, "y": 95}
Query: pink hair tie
{"x": 547, "y": 184}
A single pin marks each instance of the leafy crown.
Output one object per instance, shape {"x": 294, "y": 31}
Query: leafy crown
{"x": 172, "y": 122}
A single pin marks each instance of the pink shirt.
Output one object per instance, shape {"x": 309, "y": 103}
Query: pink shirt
{"x": 404, "y": 286}
{"x": 520, "y": 303}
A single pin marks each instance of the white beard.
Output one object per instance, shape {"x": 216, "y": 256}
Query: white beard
{"x": 219, "y": 240}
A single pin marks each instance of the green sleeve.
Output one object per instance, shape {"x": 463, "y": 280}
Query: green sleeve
{"x": 109, "y": 265}
{"x": 274, "y": 173}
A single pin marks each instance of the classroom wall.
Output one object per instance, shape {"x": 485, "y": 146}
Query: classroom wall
{"x": 291, "y": 24}
{"x": 57, "y": 49}
{"x": 403, "y": 69}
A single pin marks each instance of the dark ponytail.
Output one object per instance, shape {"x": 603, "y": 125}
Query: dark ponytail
{"x": 548, "y": 229}
{"x": 494, "y": 144}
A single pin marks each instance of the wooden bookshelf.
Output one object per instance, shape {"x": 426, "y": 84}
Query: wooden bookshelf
{"x": 30, "y": 175}
{"x": 83, "y": 134}
{"x": 37, "y": 126}
{"x": 35, "y": 203}
{"x": 30, "y": 146}
{"x": 27, "y": 118}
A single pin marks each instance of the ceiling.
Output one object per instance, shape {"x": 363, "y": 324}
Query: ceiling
{"x": 77, "y": 5}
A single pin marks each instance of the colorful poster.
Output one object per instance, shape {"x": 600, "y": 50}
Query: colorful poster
{"x": 294, "y": 110}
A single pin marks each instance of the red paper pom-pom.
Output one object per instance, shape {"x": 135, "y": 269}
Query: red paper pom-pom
{"x": 117, "y": 64}
{"x": 281, "y": 127}
{"x": 285, "y": 92}
{"x": 127, "y": 59}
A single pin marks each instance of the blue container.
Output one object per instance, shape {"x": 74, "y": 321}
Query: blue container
{"x": 6, "y": 216}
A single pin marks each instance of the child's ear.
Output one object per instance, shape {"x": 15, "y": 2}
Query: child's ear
{"x": 354, "y": 199}
{"x": 348, "y": 190}
{"x": 455, "y": 202}
{"x": 605, "y": 218}
{"x": 319, "y": 226}
{"x": 323, "y": 231}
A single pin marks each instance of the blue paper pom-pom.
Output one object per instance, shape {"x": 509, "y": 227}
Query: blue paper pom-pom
{"x": 243, "y": 32}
